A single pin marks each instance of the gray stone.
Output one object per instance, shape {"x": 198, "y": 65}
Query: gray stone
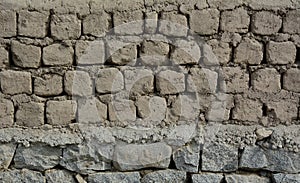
{"x": 249, "y": 51}
{"x": 263, "y": 133}
{"x": 121, "y": 53}
{"x": 265, "y": 23}
{"x": 185, "y": 52}
{"x": 247, "y": 109}
{"x": 48, "y": 85}
{"x": 291, "y": 81}
{"x": 266, "y": 80}
{"x": 59, "y": 176}
{"x": 134, "y": 157}
{"x": 225, "y": 4}
{"x": 109, "y": 80}
{"x": 202, "y": 80}
{"x": 30, "y": 114}
{"x": 15, "y": 82}
{"x": 6, "y": 113}
{"x": 207, "y": 177}
{"x": 139, "y": 81}
{"x": 172, "y": 24}
{"x": 8, "y": 23}
{"x": 270, "y": 5}
{"x": 66, "y": 26}
{"x": 7, "y": 152}
{"x": 4, "y": 61}
{"x": 165, "y": 176}
{"x": 219, "y": 158}
{"x": 22, "y": 176}
{"x": 286, "y": 178}
{"x": 26, "y": 56}
{"x": 281, "y": 53}
{"x": 284, "y": 111}
{"x": 90, "y": 52}
{"x": 122, "y": 110}
{"x": 128, "y": 23}
{"x": 61, "y": 112}
{"x": 186, "y": 107}
{"x": 91, "y": 111}
{"x": 205, "y": 22}
{"x": 170, "y": 82}
{"x": 255, "y": 158}
{"x": 235, "y": 21}
{"x": 154, "y": 53}
{"x": 291, "y": 22}
{"x": 78, "y": 83}
{"x": 126, "y": 177}
{"x": 37, "y": 157}
{"x": 236, "y": 79}
{"x": 57, "y": 55}
{"x": 151, "y": 22}
{"x": 96, "y": 24}
{"x": 221, "y": 50}
{"x": 233, "y": 178}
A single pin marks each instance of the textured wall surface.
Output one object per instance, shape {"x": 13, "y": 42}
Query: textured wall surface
{"x": 203, "y": 91}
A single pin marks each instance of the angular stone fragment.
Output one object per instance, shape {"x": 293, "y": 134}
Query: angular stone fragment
{"x": 236, "y": 79}
{"x": 37, "y": 157}
{"x": 21, "y": 176}
{"x": 26, "y": 56}
{"x": 123, "y": 110}
{"x": 59, "y": 176}
{"x": 185, "y": 52}
{"x": 30, "y": 114}
{"x": 91, "y": 111}
{"x": 265, "y": 23}
{"x": 207, "y": 177}
{"x": 66, "y": 26}
{"x": 172, "y": 24}
{"x": 8, "y": 23}
{"x": 109, "y": 80}
{"x": 128, "y": 23}
{"x": 219, "y": 158}
{"x": 291, "y": 22}
{"x": 3, "y": 57}
{"x": 235, "y": 21}
{"x": 90, "y": 52}
{"x": 286, "y": 178}
{"x": 48, "y": 85}
{"x": 96, "y": 24}
{"x": 291, "y": 80}
{"x": 15, "y": 82}
{"x": 249, "y": 51}
{"x": 32, "y": 24}
{"x": 61, "y": 112}
{"x": 266, "y": 80}
{"x": 154, "y": 53}
{"x": 57, "y": 55}
{"x": 126, "y": 177}
{"x": 202, "y": 80}
{"x": 247, "y": 109}
{"x": 281, "y": 53}
{"x": 205, "y": 22}
{"x": 221, "y": 49}
{"x": 139, "y": 81}
{"x": 166, "y": 176}
{"x": 134, "y": 157}
{"x": 7, "y": 152}
{"x": 121, "y": 53}
{"x": 170, "y": 82}
{"x": 233, "y": 178}
{"x": 78, "y": 83}
{"x": 6, "y": 113}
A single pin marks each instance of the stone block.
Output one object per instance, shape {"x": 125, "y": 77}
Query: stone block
{"x": 247, "y": 109}
{"x": 48, "y": 85}
{"x": 154, "y": 53}
{"x": 78, "y": 83}
{"x": 7, "y": 154}
{"x": 221, "y": 50}
{"x": 59, "y": 176}
{"x": 26, "y": 56}
{"x": 96, "y": 24}
{"x": 265, "y": 23}
{"x": 123, "y": 110}
{"x": 90, "y": 52}
{"x": 279, "y": 53}
{"x": 266, "y": 80}
{"x": 172, "y": 24}
{"x": 6, "y": 113}
{"x": 202, "y": 80}
{"x": 207, "y": 177}
{"x": 205, "y": 22}
{"x": 285, "y": 111}
{"x": 291, "y": 80}
{"x": 61, "y": 112}
{"x": 33, "y": 24}
{"x": 233, "y": 178}
{"x": 109, "y": 80}
{"x": 91, "y": 111}
{"x": 132, "y": 177}
{"x": 139, "y": 81}
{"x": 58, "y": 55}
{"x": 151, "y": 20}
{"x": 64, "y": 27}
{"x": 8, "y": 23}
{"x": 121, "y": 53}
{"x": 166, "y": 176}
{"x": 15, "y": 82}
{"x": 235, "y": 21}
{"x": 291, "y": 22}
{"x": 286, "y": 178}
{"x": 225, "y": 4}
{"x": 4, "y": 57}
{"x": 249, "y": 51}
{"x": 185, "y": 52}
{"x": 186, "y": 108}
{"x": 30, "y": 114}
{"x": 170, "y": 82}
{"x": 236, "y": 80}
{"x": 128, "y": 23}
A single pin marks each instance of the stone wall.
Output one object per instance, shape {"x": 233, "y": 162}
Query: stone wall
{"x": 203, "y": 91}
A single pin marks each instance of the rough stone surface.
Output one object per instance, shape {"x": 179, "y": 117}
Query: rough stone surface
{"x": 37, "y": 157}
{"x": 59, "y": 176}
{"x": 166, "y": 176}
{"x": 121, "y": 53}
{"x": 247, "y": 110}
{"x": 8, "y": 23}
{"x": 221, "y": 50}
{"x": 151, "y": 22}
{"x": 30, "y": 114}
{"x": 265, "y": 23}
{"x": 186, "y": 107}
{"x": 246, "y": 178}
{"x": 207, "y": 177}
{"x": 90, "y": 52}
{"x": 236, "y": 79}
{"x": 291, "y": 22}
{"x": 133, "y": 157}
{"x": 48, "y": 85}
{"x": 15, "y": 82}
{"x": 78, "y": 83}
{"x": 61, "y": 112}
{"x": 91, "y": 111}
{"x": 6, "y": 113}
{"x": 128, "y": 177}
{"x": 202, "y": 80}
{"x": 139, "y": 81}
{"x": 266, "y": 80}
{"x": 109, "y": 80}
{"x": 291, "y": 80}
{"x": 26, "y": 56}
{"x": 128, "y": 23}
{"x": 21, "y": 176}
{"x": 57, "y": 55}
{"x": 205, "y": 22}
{"x": 3, "y": 57}
{"x": 65, "y": 26}
{"x": 235, "y": 21}
{"x": 154, "y": 53}
{"x": 281, "y": 53}
{"x": 172, "y": 24}
{"x": 286, "y": 178}
{"x": 122, "y": 110}
{"x": 170, "y": 82}
{"x": 249, "y": 51}
{"x": 185, "y": 52}
{"x": 96, "y": 24}
{"x": 7, "y": 153}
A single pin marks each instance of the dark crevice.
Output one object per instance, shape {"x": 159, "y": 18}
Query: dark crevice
{"x": 223, "y": 179}
{"x": 240, "y": 152}
{"x": 298, "y": 57}
{"x": 188, "y": 178}
{"x": 200, "y": 161}
{"x": 265, "y": 110}
{"x": 172, "y": 164}
{"x": 264, "y": 60}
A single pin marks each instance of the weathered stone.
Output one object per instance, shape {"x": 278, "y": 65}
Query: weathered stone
{"x": 78, "y": 83}
{"x": 21, "y": 176}
{"x": 249, "y": 51}
{"x": 154, "y": 53}
{"x": 91, "y": 111}
{"x": 123, "y": 110}
{"x": 59, "y": 176}
{"x": 207, "y": 177}
{"x": 133, "y": 156}
{"x": 32, "y": 24}
{"x": 236, "y": 79}
{"x": 225, "y": 4}
{"x": 247, "y": 109}
{"x": 291, "y": 81}
{"x": 65, "y": 26}
{"x": 117, "y": 5}
{"x": 256, "y": 158}
{"x": 205, "y": 22}
{"x": 263, "y": 133}
{"x": 266, "y": 80}
{"x": 187, "y": 157}
{"x": 286, "y": 178}
{"x": 126, "y": 177}
{"x": 265, "y": 23}
{"x": 270, "y": 5}
{"x": 151, "y": 22}
{"x": 37, "y": 157}
{"x": 61, "y": 112}
{"x": 182, "y": 134}
{"x": 90, "y": 52}
{"x": 235, "y": 21}
{"x": 96, "y": 24}
{"x": 15, "y": 82}
{"x": 281, "y": 53}
{"x": 57, "y": 55}
{"x": 30, "y": 114}
{"x": 128, "y": 23}
{"x": 185, "y": 52}
{"x": 166, "y": 176}
{"x": 217, "y": 107}
{"x": 186, "y": 107}
{"x": 291, "y": 22}
{"x": 7, "y": 152}
{"x": 26, "y": 56}
{"x": 109, "y": 80}
{"x": 170, "y": 82}
{"x": 202, "y": 80}
{"x": 221, "y": 49}
{"x": 6, "y": 113}
{"x": 139, "y": 81}
{"x": 48, "y": 85}
{"x": 172, "y": 24}
{"x": 219, "y": 158}
{"x": 121, "y": 53}
{"x": 89, "y": 158}
{"x": 8, "y": 23}
{"x": 4, "y": 62}
{"x": 285, "y": 111}
{"x": 233, "y": 178}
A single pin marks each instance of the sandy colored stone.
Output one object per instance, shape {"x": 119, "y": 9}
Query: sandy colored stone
{"x": 202, "y": 80}
{"x": 236, "y": 20}
{"x": 48, "y": 85}
{"x": 249, "y": 51}
{"x": 128, "y": 23}
{"x": 121, "y": 53}
{"x": 26, "y": 56}
{"x": 96, "y": 24}
{"x": 66, "y": 26}
{"x": 15, "y": 82}
{"x": 4, "y": 61}
{"x": 154, "y": 53}
{"x": 205, "y": 22}
{"x": 123, "y": 110}
{"x": 291, "y": 22}
{"x": 57, "y": 55}
{"x": 90, "y": 52}
{"x": 91, "y": 111}
{"x": 6, "y": 113}
{"x": 291, "y": 80}
{"x": 33, "y": 24}
{"x": 247, "y": 110}
{"x": 221, "y": 50}
{"x": 265, "y": 23}
{"x": 170, "y": 82}
{"x": 109, "y": 80}
{"x": 236, "y": 79}
{"x": 78, "y": 83}
{"x": 185, "y": 52}
{"x": 30, "y": 114}
{"x": 7, "y": 152}
{"x": 139, "y": 81}
{"x": 151, "y": 22}
{"x": 266, "y": 80}
{"x": 172, "y": 24}
{"x": 61, "y": 112}
{"x": 279, "y": 53}
{"x": 8, "y": 23}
